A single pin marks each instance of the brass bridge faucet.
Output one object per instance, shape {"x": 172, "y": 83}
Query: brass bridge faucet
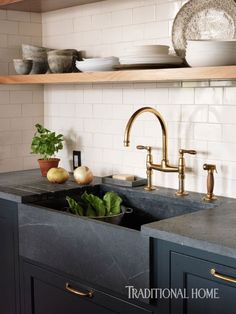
{"x": 164, "y": 166}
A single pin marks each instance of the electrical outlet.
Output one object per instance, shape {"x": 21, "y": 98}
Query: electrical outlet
{"x": 76, "y": 159}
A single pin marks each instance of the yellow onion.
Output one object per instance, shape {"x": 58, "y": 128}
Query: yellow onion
{"x": 57, "y": 175}
{"x": 83, "y": 175}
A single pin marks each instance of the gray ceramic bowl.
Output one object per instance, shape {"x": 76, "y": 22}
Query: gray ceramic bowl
{"x": 63, "y": 52}
{"x": 22, "y": 66}
{"x": 67, "y": 52}
{"x": 39, "y": 67}
{"x": 61, "y": 64}
{"x": 39, "y": 57}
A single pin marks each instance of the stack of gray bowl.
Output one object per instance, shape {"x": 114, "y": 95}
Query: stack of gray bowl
{"x": 39, "y": 57}
{"x": 63, "y": 61}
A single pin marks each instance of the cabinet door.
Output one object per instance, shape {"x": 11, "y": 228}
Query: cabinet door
{"x": 8, "y": 258}
{"x": 189, "y": 273}
{"x": 48, "y": 292}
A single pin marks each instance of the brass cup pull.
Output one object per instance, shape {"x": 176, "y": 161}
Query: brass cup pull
{"x": 222, "y": 277}
{"x": 88, "y": 294}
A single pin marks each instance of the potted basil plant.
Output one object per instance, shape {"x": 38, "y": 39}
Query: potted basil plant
{"x": 46, "y": 143}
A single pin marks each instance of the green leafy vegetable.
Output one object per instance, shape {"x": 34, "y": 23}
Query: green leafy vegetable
{"x": 112, "y": 201}
{"x": 95, "y": 202}
{"x": 93, "y": 206}
{"x": 75, "y": 207}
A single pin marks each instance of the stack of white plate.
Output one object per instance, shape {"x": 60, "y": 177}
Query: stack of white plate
{"x": 97, "y": 64}
{"x": 149, "y": 54}
{"x": 202, "y": 53}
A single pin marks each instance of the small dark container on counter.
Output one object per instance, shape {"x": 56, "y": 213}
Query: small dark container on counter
{"x": 137, "y": 181}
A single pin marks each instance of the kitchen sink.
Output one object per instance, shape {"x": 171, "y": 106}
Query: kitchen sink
{"x": 108, "y": 255}
{"x": 147, "y": 207}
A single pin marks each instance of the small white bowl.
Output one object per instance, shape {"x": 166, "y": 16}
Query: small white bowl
{"x": 100, "y": 64}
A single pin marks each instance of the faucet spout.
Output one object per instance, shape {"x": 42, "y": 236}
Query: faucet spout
{"x": 163, "y": 127}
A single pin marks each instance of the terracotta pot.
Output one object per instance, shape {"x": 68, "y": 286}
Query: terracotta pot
{"x": 46, "y": 164}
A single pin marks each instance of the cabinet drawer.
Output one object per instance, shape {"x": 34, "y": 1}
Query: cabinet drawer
{"x": 48, "y": 292}
{"x": 215, "y": 284}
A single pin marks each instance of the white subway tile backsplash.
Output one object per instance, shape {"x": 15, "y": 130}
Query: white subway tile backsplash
{"x": 222, "y": 151}
{"x": 18, "y": 16}
{"x": 82, "y": 23}
{"x": 7, "y": 111}
{"x": 101, "y": 21}
{"x": 20, "y": 106}
{"x": 208, "y": 96}
{"x": 195, "y": 113}
{"x": 112, "y": 35}
{"x": 21, "y": 97}
{"x": 36, "y": 17}
{"x": 222, "y": 114}
{"x": 92, "y": 96}
{"x": 112, "y": 96}
{"x": 213, "y": 131}
{"x": 230, "y": 96}
{"x": 144, "y": 14}
{"x": 181, "y": 96}
{"x": 122, "y": 17}
{"x": 168, "y": 11}
{"x": 101, "y": 111}
{"x": 9, "y": 27}
{"x": 156, "y": 30}
{"x": 83, "y": 110}
{"x": 134, "y": 96}
{"x": 156, "y": 96}
{"x": 132, "y": 33}
{"x": 30, "y": 29}
{"x": 102, "y": 140}
{"x": 228, "y": 133}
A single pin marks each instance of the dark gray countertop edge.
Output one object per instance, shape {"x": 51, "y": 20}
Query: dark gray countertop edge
{"x": 190, "y": 242}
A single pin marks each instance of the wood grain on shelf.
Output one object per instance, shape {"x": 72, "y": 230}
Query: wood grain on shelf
{"x": 129, "y": 76}
{"x": 41, "y": 5}
{"x": 4, "y": 2}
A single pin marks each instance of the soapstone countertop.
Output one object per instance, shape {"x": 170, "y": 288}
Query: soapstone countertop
{"x": 29, "y": 186}
{"x": 212, "y": 229}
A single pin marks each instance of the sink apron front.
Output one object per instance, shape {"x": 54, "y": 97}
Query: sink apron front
{"x": 107, "y": 255}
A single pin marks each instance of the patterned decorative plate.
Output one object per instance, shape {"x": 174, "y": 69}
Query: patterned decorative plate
{"x": 204, "y": 19}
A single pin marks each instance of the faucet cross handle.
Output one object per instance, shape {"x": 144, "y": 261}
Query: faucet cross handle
{"x": 181, "y": 191}
{"x": 187, "y": 151}
{"x": 149, "y": 161}
{"x": 141, "y": 147}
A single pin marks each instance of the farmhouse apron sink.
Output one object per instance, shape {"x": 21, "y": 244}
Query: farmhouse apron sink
{"x": 104, "y": 254}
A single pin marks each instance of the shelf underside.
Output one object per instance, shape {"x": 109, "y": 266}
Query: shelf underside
{"x": 41, "y": 5}
{"x": 127, "y": 76}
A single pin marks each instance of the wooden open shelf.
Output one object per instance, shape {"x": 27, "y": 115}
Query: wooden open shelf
{"x": 127, "y": 76}
{"x": 41, "y": 5}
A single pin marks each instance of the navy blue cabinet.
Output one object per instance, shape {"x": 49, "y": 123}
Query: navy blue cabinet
{"x": 45, "y": 291}
{"x": 199, "y": 282}
{"x": 9, "y": 274}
